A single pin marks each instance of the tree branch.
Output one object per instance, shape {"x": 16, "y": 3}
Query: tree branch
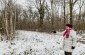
{"x": 74, "y": 2}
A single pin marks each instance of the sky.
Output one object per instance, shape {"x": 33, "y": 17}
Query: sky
{"x": 24, "y": 4}
{"x": 21, "y": 2}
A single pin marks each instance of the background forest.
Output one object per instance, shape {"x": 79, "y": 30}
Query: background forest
{"x": 41, "y": 15}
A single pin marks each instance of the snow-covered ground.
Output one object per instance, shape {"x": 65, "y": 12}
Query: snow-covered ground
{"x": 33, "y": 43}
{"x": 80, "y": 47}
{"x": 79, "y": 50}
{"x": 36, "y": 43}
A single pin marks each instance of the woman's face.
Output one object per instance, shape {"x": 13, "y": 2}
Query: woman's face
{"x": 68, "y": 27}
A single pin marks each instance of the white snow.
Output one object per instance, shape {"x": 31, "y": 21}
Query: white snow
{"x": 33, "y": 43}
{"x": 36, "y": 43}
{"x": 79, "y": 50}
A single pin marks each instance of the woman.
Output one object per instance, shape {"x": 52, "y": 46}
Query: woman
{"x": 69, "y": 39}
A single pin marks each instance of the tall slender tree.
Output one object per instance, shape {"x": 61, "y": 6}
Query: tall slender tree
{"x": 71, "y": 5}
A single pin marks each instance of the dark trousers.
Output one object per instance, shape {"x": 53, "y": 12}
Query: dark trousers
{"x": 68, "y": 53}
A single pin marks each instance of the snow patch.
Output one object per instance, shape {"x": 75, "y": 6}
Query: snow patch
{"x": 33, "y": 43}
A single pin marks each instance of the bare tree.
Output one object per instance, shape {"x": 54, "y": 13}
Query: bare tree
{"x": 9, "y": 17}
{"x": 40, "y": 5}
{"x": 71, "y": 5}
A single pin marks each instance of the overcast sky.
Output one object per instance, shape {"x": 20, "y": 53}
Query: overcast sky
{"x": 23, "y": 3}
{"x": 20, "y": 1}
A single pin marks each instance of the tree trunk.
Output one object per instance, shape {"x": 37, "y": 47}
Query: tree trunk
{"x": 64, "y": 14}
{"x": 71, "y": 9}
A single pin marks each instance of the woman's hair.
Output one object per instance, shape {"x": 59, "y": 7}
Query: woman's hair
{"x": 69, "y": 25}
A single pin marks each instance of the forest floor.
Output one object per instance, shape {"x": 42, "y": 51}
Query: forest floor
{"x": 36, "y": 43}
